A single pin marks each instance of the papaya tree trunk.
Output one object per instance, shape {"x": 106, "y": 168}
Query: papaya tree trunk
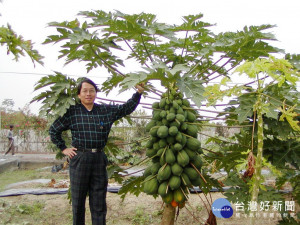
{"x": 258, "y": 165}
{"x": 168, "y": 217}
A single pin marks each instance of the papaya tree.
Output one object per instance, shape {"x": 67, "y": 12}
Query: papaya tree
{"x": 273, "y": 139}
{"x": 185, "y": 59}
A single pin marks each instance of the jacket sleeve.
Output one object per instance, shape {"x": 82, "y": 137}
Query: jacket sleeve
{"x": 125, "y": 109}
{"x": 59, "y": 125}
{"x": 9, "y": 134}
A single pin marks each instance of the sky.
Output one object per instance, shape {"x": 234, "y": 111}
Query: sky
{"x": 30, "y": 18}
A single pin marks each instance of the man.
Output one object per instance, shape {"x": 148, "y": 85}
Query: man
{"x": 90, "y": 124}
{"x": 11, "y": 146}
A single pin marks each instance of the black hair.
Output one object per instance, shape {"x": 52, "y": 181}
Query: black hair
{"x": 86, "y": 80}
{"x": 11, "y": 126}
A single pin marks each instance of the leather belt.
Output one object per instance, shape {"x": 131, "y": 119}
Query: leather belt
{"x": 93, "y": 150}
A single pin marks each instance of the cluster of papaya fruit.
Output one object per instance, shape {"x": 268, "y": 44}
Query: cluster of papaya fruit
{"x": 174, "y": 149}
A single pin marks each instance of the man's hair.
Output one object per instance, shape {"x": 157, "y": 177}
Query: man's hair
{"x": 11, "y": 126}
{"x": 86, "y": 80}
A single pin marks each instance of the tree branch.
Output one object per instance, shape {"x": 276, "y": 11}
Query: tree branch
{"x": 134, "y": 51}
{"x": 146, "y": 48}
{"x": 194, "y": 67}
{"x": 252, "y": 82}
{"x": 222, "y": 74}
{"x": 221, "y": 67}
{"x": 212, "y": 65}
{"x": 210, "y": 125}
{"x": 184, "y": 43}
{"x": 107, "y": 64}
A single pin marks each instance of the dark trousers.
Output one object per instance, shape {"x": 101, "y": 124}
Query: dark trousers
{"x": 88, "y": 176}
{"x": 11, "y": 146}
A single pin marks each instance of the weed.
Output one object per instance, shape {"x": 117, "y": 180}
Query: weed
{"x": 157, "y": 213}
{"x": 199, "y": 208}
{"x": 140, "y": 217}
{"x": 36, "y": 207}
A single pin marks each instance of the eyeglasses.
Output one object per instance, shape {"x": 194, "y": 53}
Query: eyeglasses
{"x": 88, "y": 91}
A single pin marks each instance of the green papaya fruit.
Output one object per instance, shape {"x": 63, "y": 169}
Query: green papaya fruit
{"x": 162, "y": 132}
{"x": 162, "y": 189}
{"x": 164, "y": 173}
{"x": 173, "y": 131}
{"x": 171, "y": 116}
{"x": 193, "y": 144}
{"x": 183, "y": 158}
{"x": 174, "y": 182}
{"x": 170, "y": 157}
{"x": 176, "y": 169}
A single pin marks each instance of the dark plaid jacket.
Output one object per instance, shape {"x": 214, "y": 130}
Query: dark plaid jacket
{"x": 90, "y": 129}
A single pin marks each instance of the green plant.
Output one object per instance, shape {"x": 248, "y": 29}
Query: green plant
{"x": 188, "y": 58}
{"x": 18, "y": 46}
{"x": 140, "y": 217}
{"x": 30, "y": 209}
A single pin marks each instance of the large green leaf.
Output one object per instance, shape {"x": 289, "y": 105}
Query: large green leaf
{"x": 18, "y": 46}
{"x": 132, "y": 185}
{"x": 193, "y": 89}
{"x": 132, "y": 79}
{"x": 294, "y": 59}
{"x": 60, "y": 97}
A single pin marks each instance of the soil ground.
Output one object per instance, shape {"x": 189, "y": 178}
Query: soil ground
{"x": 55, "y": 209}
{"x": 144, "y": 209}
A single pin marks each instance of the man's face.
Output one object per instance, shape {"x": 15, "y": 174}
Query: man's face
{"x": 87, "y": 94}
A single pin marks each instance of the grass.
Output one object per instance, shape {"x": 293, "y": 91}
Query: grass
{"x": 10, "y": 177}
{"x": 140, "y": 217}
{"x": 23, "y": 212}
{"x": 30, "y": 209}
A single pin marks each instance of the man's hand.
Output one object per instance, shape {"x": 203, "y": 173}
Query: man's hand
{"x": 140, "y": 87}
{"x": 71, "y": 152}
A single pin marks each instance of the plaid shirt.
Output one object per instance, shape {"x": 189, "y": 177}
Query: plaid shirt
{"x": 90, "y": 129}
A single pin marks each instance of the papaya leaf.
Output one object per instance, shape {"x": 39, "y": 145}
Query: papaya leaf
{"x": 179, "y": 68}
{"x": 272, "y": 112}
{"x": 132, "y": 185}
{"x": 193, "y": 89}
{"x": 279, "y": 69}
{"x": 294, "y": 59}
{"x": 245, "y": 109}
{"x": 112, "y": 82}
{"x": 112, "y": 169}
{"x": 289, "y": 115}
{"x": 131, "y": 80}
{"x": 60, "y": 96}
{"x": 17, "y": 46}
{"x": 113, "y": 172}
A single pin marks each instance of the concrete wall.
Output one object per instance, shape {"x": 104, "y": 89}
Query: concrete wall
{"x": 28, "y": 142}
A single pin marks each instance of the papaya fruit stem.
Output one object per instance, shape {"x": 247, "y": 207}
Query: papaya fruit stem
{"x": 149, "y": 179}
{"x": 198, "y": 172}
{"x": 162, "y": 155}
{"x": 184, "y": 193}
{"x": 187, "y": 135}
{"x": 177, "y": 121}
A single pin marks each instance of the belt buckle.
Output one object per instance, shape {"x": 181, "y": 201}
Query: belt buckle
{"x": 94, "y": 150}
